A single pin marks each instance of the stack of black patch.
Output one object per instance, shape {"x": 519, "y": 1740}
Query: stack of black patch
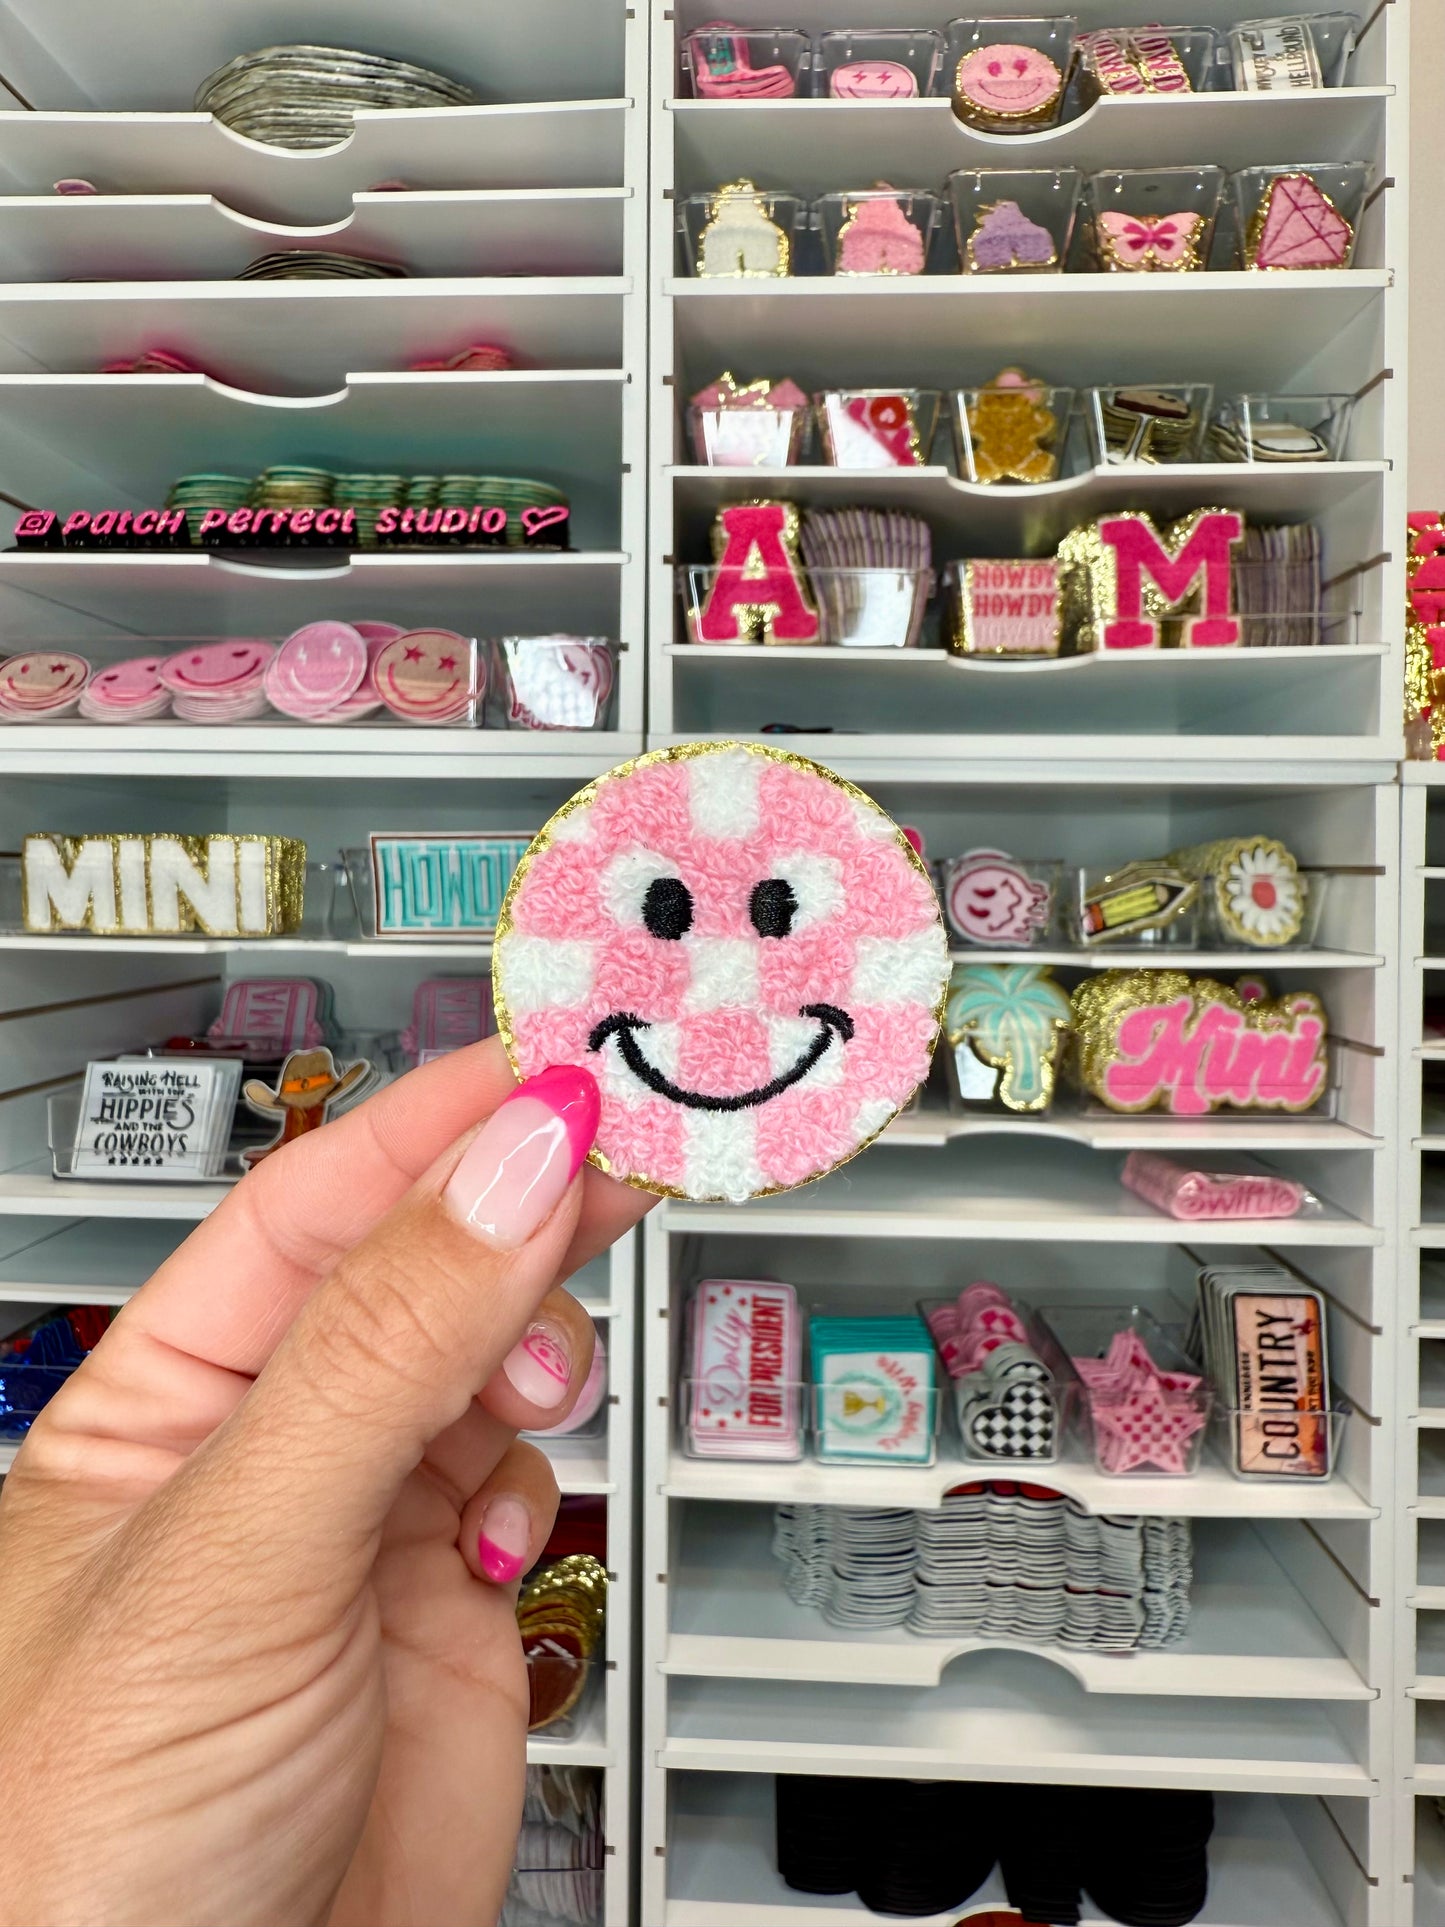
{"x": 1144, "y": 1853}
{"x": 929, "y": 1847}
{"x": 821, "y": 1830}
{"x": 1039, "y": 1851}
{"x": 915, "y": 1847}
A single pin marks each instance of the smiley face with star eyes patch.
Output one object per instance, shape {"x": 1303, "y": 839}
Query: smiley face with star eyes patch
{"x": 426, "y": 675}
{"x": 41, "y": 682}
{"x": 745, "y": 952}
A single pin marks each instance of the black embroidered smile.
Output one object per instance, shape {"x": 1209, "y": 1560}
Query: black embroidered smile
{"x": 624, "y": 1025}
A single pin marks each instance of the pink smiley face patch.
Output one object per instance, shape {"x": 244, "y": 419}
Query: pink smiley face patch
{"x": 427, "y": 675}
{"x": 1007, "y": 82}
{"x": 746, "y": 953}
{"x": 217, "y": 667}
{"x": 42, "y": 682}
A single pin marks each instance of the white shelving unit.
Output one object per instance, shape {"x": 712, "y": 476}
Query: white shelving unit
{"x": 1281, "y": 1697}
{"x": 522, "y": 222}
{"x": 1420, "y": 1503}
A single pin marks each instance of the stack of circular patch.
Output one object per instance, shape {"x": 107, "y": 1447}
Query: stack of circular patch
{"x": 561, "y": 1616}
{"x": 368, "y": 495}
{"x": 1144, "y": 1853}
{"x": 304, "y": 96}
{"x": 41, "y": 685}
{"x": 514, "y": 493}
{"x": 821, "y": 1834}
{"x": 428, "y": 676}
{"x": 126, "y": 692}
{"x": 318, "y": 264}
{"x": 289, "y": 485}
{"x": 197, "y": 493}
{"x": 421, "y": 491}
{"x": 218, "y": 682}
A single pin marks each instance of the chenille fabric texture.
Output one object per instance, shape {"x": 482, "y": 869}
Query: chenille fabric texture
{"x": 746, "y": 953}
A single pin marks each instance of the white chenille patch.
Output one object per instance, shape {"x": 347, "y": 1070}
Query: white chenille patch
{"x": 901, "y": 970}
{"x": 658, "y": 1044}
{"x": 574, "y": 827}
{"x": 871, "y": 1118}
{"x": 723, "y": 792}
{"x": 721, "y": 1157}
{"x": 626, "y": 878}
{"x": 872, "y": 822}
{"x": 542, "y": 973}
{"x": 724, "y": 973}
{"x": 791, "y": 1038}
{"x": 816, "y": 883}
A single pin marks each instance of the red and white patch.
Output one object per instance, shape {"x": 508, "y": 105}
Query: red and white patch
{"x": 746, "y": 953}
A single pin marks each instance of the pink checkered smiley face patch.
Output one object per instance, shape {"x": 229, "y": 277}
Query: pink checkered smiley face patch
{"x": 746, "y": 953}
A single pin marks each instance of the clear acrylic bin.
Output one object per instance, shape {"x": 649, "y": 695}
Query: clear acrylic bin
{"x": 560, "y": 1677}
{"x": 559, "y": 1884}
{"x": 1153, "y": 220}
{"x": 1155, "y": 425}
{"x": 1289, "y": 52}
{"x": 62, "y": 1114}
{"x": 1012, "y": 433}
{"x": 1216, "y": 933}
{"x": 885, "y": 231}
{"x": 722, "y": 1417}
{"x": 763, "y": 437}
{"x": 1014, "y": 220}
{"x": 1281, "y": 428}
{"x": 1085, "y": 1332}
{"x": 992, "y": 901}
{"x": 756, "y": 63}
{"x": 1128, "y": 62}
{"x": 326, "y": 673}
{"x": 1281, "y": 1447}
{"x": 857, "y": 608}
{"x": 867, "y": 1420}
{"x": 982, "y": 1438}
{"x": 429, "y": 898}
{"x": 742, "y": 233}
{"x": 554, "y": 682}
{"x": 877, "y": 427}
{"x": 1009, "y": 74}
{"x": 1300, "y": 218}
{"x": 1005, "y": 608}
{"x": 1110, "y": 906}
{"x": 877, "y": 63}
{"x": 25, "y": 1391}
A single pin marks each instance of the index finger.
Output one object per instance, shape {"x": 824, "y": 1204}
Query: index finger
{"x": 230, "y": 1292}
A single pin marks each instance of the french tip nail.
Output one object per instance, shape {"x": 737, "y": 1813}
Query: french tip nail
{"x": 572, "y": 1094}
{"x": 500, "y": 1566}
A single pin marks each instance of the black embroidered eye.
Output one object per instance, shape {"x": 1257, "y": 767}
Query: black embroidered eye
{"x": 667, "y": 908}
{"x": 773, "y": 907}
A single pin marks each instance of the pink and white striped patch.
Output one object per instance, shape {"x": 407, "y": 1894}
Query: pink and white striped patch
{"x": 746, "y": 953}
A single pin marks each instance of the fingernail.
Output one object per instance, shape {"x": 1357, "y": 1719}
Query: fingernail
{"x": 519, "y": 1165}
{"x": 540, "y": 1367}
{"x": 503, "y": 1541}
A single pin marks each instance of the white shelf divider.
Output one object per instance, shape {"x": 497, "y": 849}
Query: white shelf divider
{"x": 1096, "y": 761}
{"x": 523, "y": 223}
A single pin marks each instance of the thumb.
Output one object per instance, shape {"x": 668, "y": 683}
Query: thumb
{"x": 391, "y": 1347}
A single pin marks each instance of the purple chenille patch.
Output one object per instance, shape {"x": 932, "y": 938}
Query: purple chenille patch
{"x": 1005, "y": 237}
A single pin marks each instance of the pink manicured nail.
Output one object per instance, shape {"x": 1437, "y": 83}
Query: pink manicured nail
{"x": 515, "y": 1171}
{"x": 503, "y": 1541}
{"x": 540, "y": 1367}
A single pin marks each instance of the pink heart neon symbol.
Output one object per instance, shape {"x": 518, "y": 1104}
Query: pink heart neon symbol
{"x": 534, "y": 521}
